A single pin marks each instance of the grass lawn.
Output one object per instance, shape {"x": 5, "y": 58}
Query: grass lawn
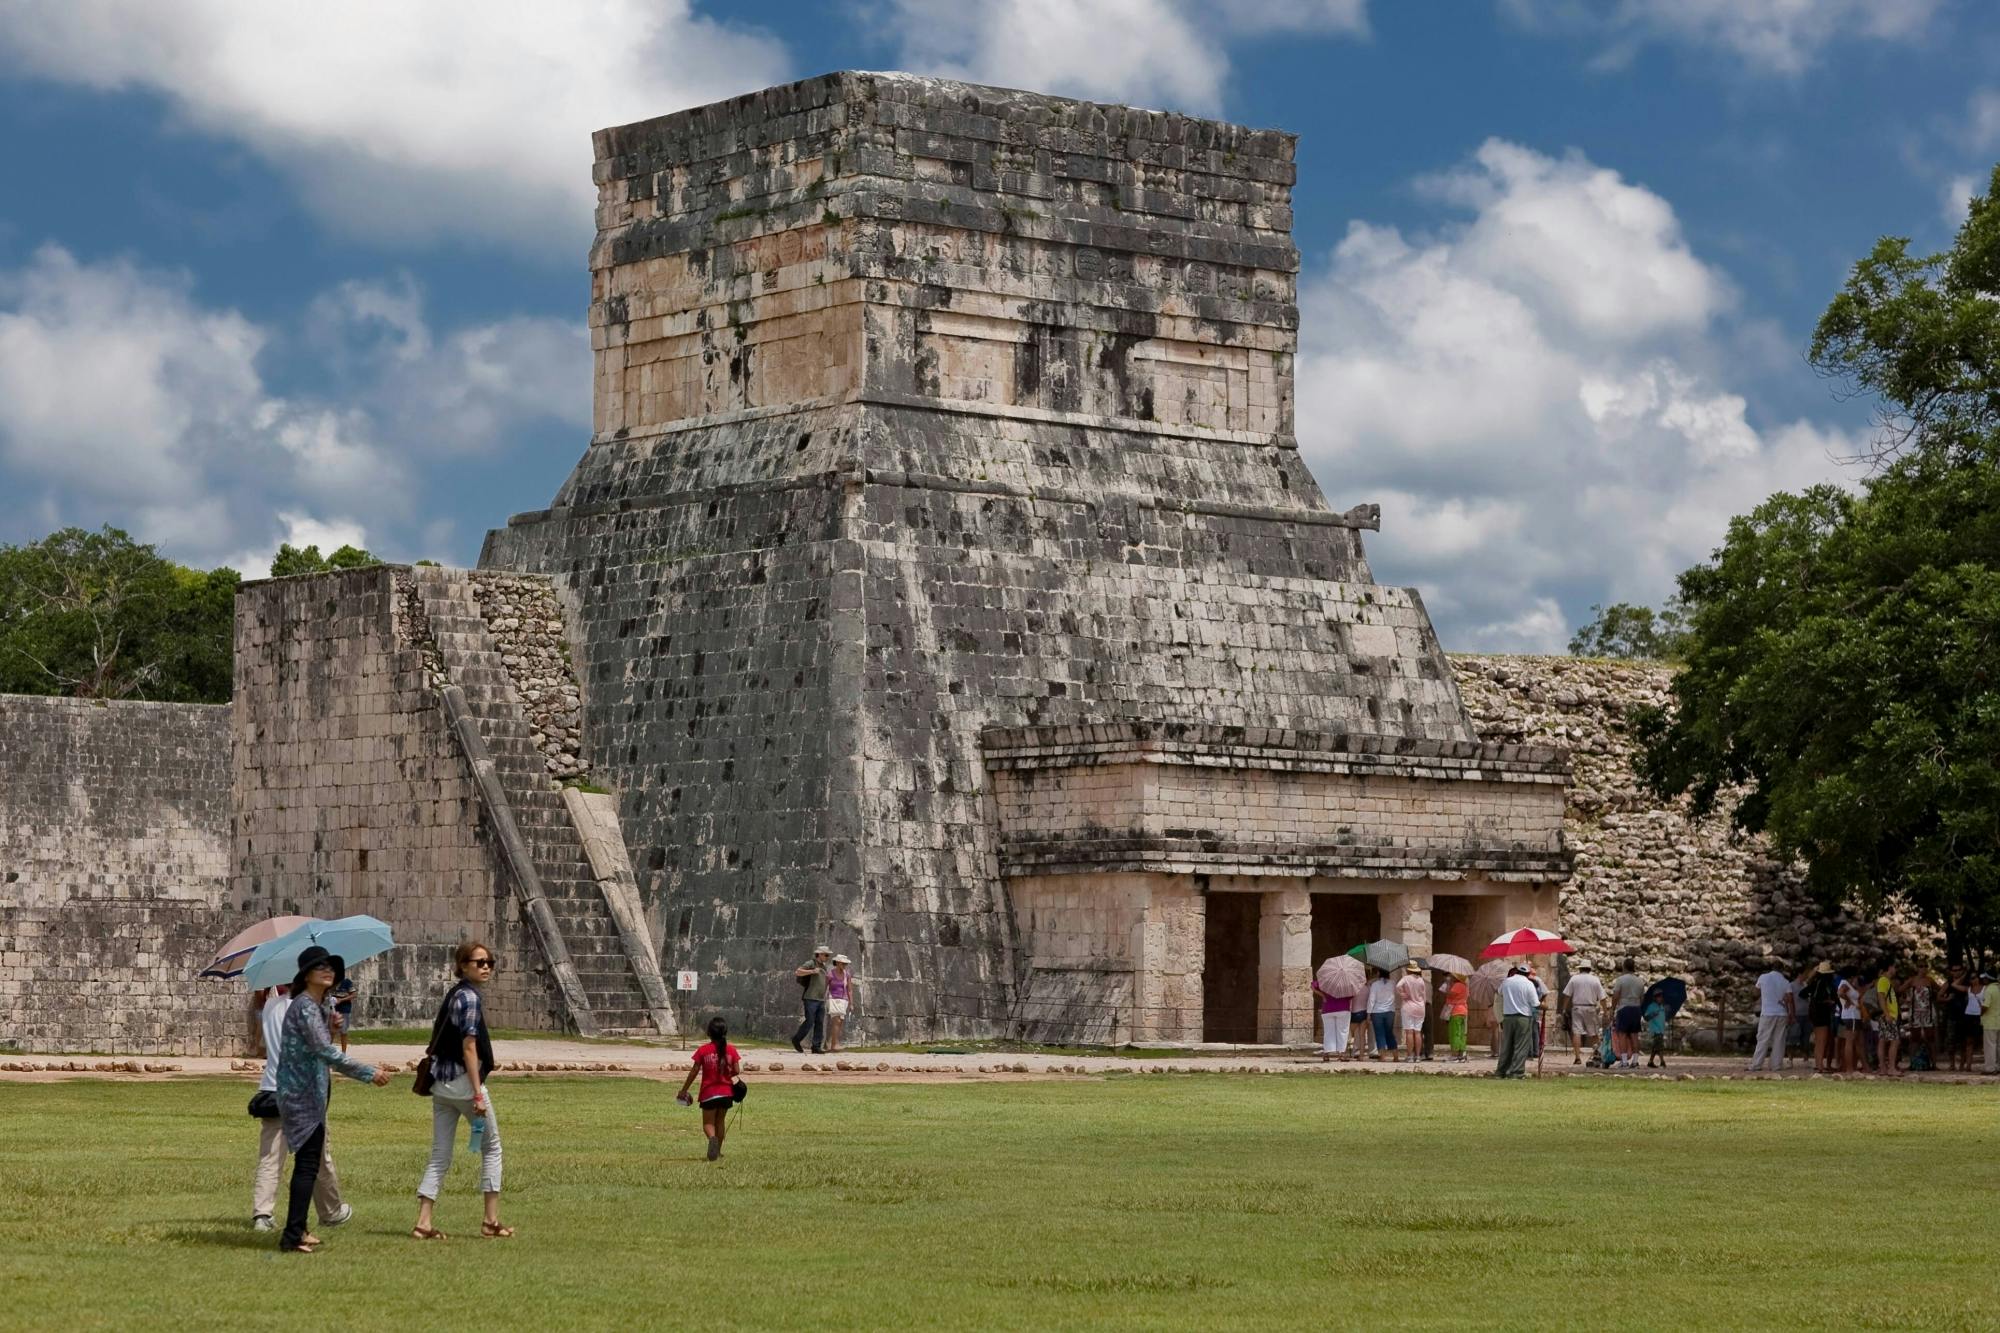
{"x": 1201, "y": 1201}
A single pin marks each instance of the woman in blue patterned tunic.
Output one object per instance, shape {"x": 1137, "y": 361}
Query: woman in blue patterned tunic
{"x": 304, "y": 1081}
{"x": 461, "y": 1059}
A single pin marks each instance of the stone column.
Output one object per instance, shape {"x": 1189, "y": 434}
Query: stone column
{"x": 1284, "y": 967}
{"x": 1406, "y": 919}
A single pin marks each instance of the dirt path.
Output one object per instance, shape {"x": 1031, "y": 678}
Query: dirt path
{"x": 551, "y": 1056}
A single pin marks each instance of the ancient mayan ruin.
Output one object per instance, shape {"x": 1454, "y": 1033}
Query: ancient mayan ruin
{"x": 941, "y": 582}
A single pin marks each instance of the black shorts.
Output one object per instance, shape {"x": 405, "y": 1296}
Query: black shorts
{"x": 1628, "y": 1020}
{"x": 722, "y": 1103}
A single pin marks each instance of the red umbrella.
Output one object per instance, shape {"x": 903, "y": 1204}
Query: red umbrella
{"x": 1527, "y": 940}
{"x": 230, "y": 958}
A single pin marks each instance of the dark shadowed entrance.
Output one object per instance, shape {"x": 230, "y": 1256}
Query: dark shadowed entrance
{"x": 1341, "y": 921}
{"x": 1229, "y": 969}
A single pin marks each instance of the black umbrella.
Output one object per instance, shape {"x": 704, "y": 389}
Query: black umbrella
{"x": 1672, "y": 991}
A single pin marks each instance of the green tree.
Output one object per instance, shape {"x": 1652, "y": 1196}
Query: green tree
{"x": 1624, "y": 630}
{"x": 98, "y": 615}
{"x": 1842, "y": 668}
{"x": 292, "y": 559}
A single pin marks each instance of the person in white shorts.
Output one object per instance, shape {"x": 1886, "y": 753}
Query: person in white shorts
{"x": 1585, "y": 994}
{"x": 839, "y": 999}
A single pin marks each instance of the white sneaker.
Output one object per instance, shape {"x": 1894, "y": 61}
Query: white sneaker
{"x": 261, "y": 1222}
{"x": 346, "y": 1212}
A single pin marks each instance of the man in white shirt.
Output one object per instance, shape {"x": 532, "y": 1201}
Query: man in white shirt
{"x": 267, "y": 1028}
{"x": 1519, "y": 1000}
{"x": 1775, "y": 1008}
{"x": 1585, "y": 995}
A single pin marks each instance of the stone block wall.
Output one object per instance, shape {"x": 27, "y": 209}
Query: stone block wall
{"x": 114, "y": 864}
{"x": 1684, "y": 896}
{"x": 353, "y": 797}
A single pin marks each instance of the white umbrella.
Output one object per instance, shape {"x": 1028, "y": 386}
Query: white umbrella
{"x": 1342, "y": 977}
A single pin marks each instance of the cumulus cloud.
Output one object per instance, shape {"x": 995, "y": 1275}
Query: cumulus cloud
{"x": 451, "y": 118}
{"x": 1779, "y": 36}
{"x": 465, "y": 392}
{"x": 1170, "y": 53}
{"x": 124, "y": 399}
{"x": 1527, "y": 390}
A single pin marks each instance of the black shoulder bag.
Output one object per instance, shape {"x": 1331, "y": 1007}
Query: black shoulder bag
{"x": 423, "y": 1082}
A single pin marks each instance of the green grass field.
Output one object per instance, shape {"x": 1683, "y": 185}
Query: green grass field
{"x": 1132, "y": 1200}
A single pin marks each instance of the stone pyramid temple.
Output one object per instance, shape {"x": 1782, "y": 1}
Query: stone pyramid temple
{"x": 946, "y": 585}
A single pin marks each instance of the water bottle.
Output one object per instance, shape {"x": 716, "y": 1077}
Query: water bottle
{"x": 476, "y": 1140}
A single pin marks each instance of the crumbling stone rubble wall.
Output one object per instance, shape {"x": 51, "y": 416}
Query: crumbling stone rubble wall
{"x": 1684, "y": 896}
{"x": 527, "y": 622}
{"x": 114, "y": 859}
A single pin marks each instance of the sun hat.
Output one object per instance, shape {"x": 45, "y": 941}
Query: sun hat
{"x": 843, "y": 958}
{"x": 819, "y": 949}
{"x": 1412, "y": 966}
{"x": 312, "y": 958}
{"x": 1823, "y": 968}
{"x": 1583, "y": 967}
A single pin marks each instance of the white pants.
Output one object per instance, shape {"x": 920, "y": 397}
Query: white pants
{"x": 271, "y": 1154}
{"x": 1770, "y": 1042}
{"x": 1335, "y": 1027}
{"x": 1991, "y": 1038}
{"x": 449, "y": 1101}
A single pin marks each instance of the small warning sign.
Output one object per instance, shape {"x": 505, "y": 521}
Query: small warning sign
{"x": 684, "y": 980}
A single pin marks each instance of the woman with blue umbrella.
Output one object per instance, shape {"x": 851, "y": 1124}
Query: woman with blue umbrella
{"x": 304, "y": 1083}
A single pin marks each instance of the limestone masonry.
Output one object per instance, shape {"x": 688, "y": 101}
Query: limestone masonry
{"x": 114, "y": 866}
{"x": 943, "y": 488}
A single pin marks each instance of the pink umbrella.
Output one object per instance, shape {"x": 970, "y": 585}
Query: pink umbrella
{"x": 229, "y": 960}
{"x": 1342, "y": 977}
{"x": 1527, "y": 940}
{"x": 1484, "y": 983}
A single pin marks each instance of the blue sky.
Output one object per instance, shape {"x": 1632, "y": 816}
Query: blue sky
{"x": 317, "y": 272}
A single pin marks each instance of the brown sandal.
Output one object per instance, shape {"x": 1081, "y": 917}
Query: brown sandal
{"x": 426, "y": 1233}
{"x": 494, "y": 1231}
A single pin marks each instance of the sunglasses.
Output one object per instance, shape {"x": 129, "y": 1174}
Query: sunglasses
{"x": 482, "y": 962}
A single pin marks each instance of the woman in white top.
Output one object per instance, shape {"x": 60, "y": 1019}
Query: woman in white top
{"x": 1850, "y": 1025}
{"x": 267, "y": 1029}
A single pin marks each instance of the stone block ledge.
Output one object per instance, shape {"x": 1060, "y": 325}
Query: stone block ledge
{"x": 1013, "y": 749}
{"x": 1198, "y": 855}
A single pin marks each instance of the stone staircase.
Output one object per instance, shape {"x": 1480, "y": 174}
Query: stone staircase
{"x": 472, "y": 661}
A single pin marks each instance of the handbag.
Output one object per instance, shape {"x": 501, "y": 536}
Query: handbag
{"x": 425, "y": 1080}
{"x": 738, "y": 1091}
{"x": 264, "y": 1105}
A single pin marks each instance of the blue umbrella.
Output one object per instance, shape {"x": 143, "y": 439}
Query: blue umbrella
{"x": 1672, "y": 991}
{"x": 353, "y": 938}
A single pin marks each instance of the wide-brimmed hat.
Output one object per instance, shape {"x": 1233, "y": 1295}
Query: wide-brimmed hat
{"x": 313, "y": 956}
{"x": 843, "y": 959}
{"x": 1824, "y": 968}
{"x": 1413, "y": 966}
{"x": 819, "y": 949}
{"x": 1583, "y": 967}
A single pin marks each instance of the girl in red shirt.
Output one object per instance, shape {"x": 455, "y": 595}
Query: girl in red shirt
{"x": 717, "y": 1064}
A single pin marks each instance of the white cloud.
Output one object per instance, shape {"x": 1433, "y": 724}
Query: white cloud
{"x": 1170, "y": 53}
{"x": 134, "y": 404}
{"x": 444, "y": 119}
{"x": 1536, "y": 447}
{"x": 1953, "y": 198}
{"x": 1780, "y": 36}
{"x": 125, "y": 400}
{"x": 464, "y": 392}
{"x": 298, "y": 530}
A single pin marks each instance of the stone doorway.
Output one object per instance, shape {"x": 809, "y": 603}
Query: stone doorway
{"x": 1229, "y": 967}
{"x": 1465, "y": 924}
{"x": 1341, "y": 921}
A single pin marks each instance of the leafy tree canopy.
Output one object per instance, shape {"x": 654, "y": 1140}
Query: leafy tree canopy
{"x": 1843, "y": 648}
{"x": 307, "y": 560}
{"x": 98, "y": 615}
{"x": 1624, "y": 630}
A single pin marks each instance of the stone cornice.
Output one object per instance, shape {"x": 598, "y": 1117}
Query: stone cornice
{"x": 1135, "y": 742}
